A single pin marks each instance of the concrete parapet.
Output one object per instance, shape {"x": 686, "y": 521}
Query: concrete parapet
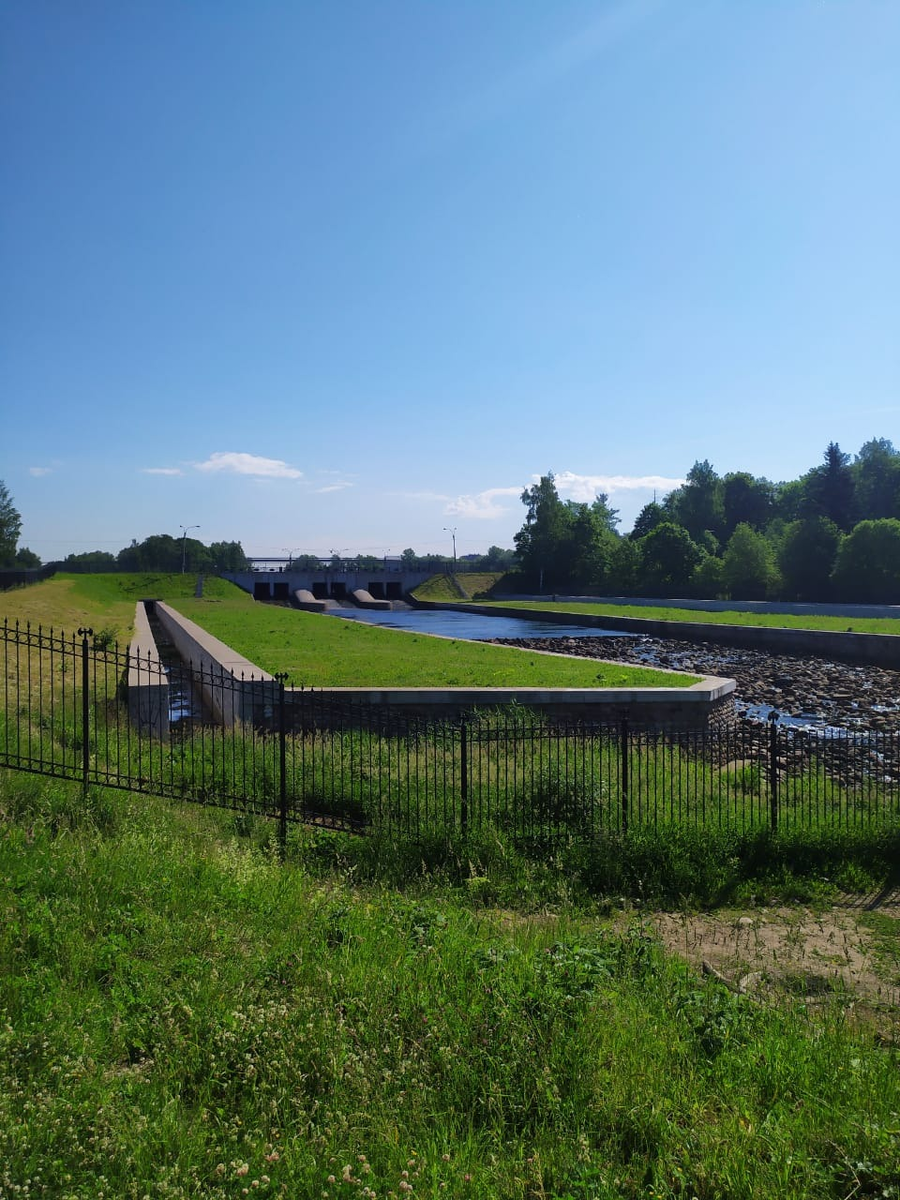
{"x": 234, "y": 688}
{"x": 707, "y": 703}
{"x": 148, "y": 685}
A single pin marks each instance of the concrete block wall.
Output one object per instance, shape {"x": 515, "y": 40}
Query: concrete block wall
{"x": 148, "y": 686}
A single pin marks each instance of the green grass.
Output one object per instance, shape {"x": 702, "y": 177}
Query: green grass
{"x": 182, "y": 1016}
{"x": 316, "y": 651}
{"x": 319, "y": 651}
{"x": 466, "y": 585}
{"x": 67, "y": 602}
{"x": 765, "y": 620}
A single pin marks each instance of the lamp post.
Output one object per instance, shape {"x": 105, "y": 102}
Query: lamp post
{"x": 290, "y": 553}
{"x": 184, "y": 532}
{"x": 452, "y": 533}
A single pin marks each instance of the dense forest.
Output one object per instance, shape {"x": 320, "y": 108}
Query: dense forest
{"x": 833, "y": 534}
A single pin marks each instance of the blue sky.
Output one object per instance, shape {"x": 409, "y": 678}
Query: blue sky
{"x": 320, "y": 276}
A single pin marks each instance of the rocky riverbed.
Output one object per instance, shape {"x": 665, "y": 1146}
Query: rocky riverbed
{"x": 812, "y": 690}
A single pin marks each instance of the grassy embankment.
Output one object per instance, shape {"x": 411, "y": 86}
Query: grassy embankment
{"x": 314, "y": 650}
{"x": 182, "y": 1016}
{"x": 762, "y": 620}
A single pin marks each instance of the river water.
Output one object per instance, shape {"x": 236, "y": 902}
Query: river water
{"x": 470, "y": 627}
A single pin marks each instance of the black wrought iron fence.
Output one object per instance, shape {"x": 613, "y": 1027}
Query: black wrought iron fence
{"x": 75, "y": 708}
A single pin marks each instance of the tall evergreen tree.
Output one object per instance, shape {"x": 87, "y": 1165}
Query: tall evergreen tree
{"x": 830, "y": 487}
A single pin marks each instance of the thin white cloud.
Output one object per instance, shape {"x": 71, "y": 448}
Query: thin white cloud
{"x": 483, "y": 506}
{"x": 37, "y": 472}
{"x": 439, "y": 497}
{"x": 583, "y": 488}
{"x": 161, "y": 471}
{"x": 332, "y": 487}
{"x": 249, "y": 464}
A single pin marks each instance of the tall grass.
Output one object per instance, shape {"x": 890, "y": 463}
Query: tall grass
{"x": 183, "y": 1016}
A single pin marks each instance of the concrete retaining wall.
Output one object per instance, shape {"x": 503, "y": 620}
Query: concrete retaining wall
{"x": 234, "y": 688}
{"x": 873, "y": 649}
{"x": 704, "y": 704}
{"x": 148, "y": 686}
{"x": 701, "y": 704}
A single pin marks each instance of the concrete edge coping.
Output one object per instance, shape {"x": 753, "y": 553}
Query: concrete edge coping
{"x": 707, "y": 690}
{"x": 142, "y": 648}
{"x": 212, "y": 648}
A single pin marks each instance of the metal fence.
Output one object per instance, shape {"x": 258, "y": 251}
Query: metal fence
{"x": 77, "y": 709}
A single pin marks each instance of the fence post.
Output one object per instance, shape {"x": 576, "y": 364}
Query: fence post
{"x": 623, "y": 752}
{"x": 282, "y": 769}
{"x": 464, "y": 773}
{"x": 773, "y": 769}
{"x": 84, "y": 633}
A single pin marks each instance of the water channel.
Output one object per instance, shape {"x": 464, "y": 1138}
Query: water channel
{"x": 471, "y": 627}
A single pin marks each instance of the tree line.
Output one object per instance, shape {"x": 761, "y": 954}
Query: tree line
{"x": 832, "y": 534}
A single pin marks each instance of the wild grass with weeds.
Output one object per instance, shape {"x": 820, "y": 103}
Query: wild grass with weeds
{"x": 182, "y": 1015}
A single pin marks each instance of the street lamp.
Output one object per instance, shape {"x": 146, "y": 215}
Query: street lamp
{"x": 452, "y": 533}
{"x": 290, "y": 554}
{"x": 184, "y": 533}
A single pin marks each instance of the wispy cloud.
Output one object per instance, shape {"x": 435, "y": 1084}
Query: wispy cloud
{"x": 161, "y": 471}
{"x": 332, "y": 487}
{"x": 583, "y": 488}
{"x": 248, "y": 464}
{"x": 484, "y": 505}
{"x": 37, "y": 472}
{"x": 423, "y": 497}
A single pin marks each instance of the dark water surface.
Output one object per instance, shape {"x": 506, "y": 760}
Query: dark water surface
{"x": 471, "y": 627}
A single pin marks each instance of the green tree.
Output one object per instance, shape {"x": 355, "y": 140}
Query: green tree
{"x": 542, "y": 542}
{"x": 648, "y": 518}
{"x": 707, "y": 580}
{"x": 830, "y": 487}
{"x": 867, "y": 567}
{"x": 748, "y": 565}
{"x": 806, "y": 556}
{"x": 668, "y": 559}
{"x": 589, "y": 544}
{"x": 26, "y": 558}
{"x": 605, "y": 517}
{"x": 745, "y": 501}
{"x": 90, "y": 560}
{"x": 10, "y": 527}
{"x": 624, "y": 567}
{"x": 228, "y": 556}
{"x": 698, "y": 505}
{"x": 876, "y": 476}
{"x": 498, "y": 559}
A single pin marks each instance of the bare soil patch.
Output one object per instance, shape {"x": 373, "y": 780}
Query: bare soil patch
{"x": 794, "y": 950}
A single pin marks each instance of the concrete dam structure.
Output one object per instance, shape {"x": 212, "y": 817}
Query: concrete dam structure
{"x": 314, "y": 590}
